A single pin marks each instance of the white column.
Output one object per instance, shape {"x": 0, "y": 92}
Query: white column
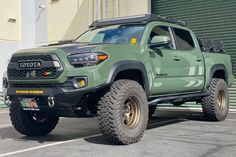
{"x": 33, "y": 23}
{"x": 41, "y": 22}
{"x": 28, "y": 34}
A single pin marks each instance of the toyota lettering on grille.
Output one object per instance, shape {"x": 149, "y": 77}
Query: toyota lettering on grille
{"x": 29, "y": 65}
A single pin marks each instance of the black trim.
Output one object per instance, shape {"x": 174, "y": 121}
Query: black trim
{"x": 14, "y": 72}
{"x": 144, "y": 19}
{"x": 176, "y": 40}
{"x": 69, "y": 102}
{"x": 178, "y": 98}
{"x": 129, "y": 65}
{"x": 214, "y": 69}
{"x": 55, "y": 90}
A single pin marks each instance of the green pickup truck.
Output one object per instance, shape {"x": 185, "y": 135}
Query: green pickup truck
{"x": 118, "y": 70}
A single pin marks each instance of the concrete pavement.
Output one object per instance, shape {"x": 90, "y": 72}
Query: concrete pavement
{"x": 171, "y": 133}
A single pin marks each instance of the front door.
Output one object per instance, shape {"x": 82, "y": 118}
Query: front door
{"x": 165, "y": 62}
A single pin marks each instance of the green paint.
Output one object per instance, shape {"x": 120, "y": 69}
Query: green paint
{"x": 208, "y": 19}
{"x": 165, "y": 75}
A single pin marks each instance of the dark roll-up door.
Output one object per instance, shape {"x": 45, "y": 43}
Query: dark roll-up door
{"x": 214, "y": 19}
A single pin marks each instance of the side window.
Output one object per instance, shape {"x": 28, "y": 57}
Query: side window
{"x": 184, "y": 40}
{"x": 162, "y": 31}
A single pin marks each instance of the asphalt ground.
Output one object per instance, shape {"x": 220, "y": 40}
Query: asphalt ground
{"x": 177, "y": 132}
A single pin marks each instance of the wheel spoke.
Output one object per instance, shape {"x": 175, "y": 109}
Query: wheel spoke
{"x": 221, "y": 100}
{"x": 132, "y": 112}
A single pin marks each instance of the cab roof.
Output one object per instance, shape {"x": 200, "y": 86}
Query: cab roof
{"x": 141, "y": 19}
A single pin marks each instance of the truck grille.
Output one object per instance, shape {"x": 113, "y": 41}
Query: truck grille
{"x": 47, "y": 70}
{"x": 33, "y": 57}
{"x": 38, "y": 73}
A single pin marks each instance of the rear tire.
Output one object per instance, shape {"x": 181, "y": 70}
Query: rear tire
{"x": 216, "y": 105}
{"x": 31, "y": 123}
{"x": 123, "y": 112}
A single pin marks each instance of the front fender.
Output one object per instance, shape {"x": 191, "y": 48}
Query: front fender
{"x": 129, "y": 65}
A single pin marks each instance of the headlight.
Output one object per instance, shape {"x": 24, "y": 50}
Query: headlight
{"x": 87, "y": 59}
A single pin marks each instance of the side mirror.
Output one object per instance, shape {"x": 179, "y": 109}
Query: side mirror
{"x": 160, "y": 41}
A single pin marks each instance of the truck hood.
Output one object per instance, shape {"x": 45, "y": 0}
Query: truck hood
{"x": 67, "y": 48}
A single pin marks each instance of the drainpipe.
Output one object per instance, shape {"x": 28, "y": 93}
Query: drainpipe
{"x": 106, "y": 9}
{"x": 118, "y": 8}
{"x": 97, "y": 9}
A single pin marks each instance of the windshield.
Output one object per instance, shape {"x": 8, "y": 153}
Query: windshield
{"x": 118, "y": 34}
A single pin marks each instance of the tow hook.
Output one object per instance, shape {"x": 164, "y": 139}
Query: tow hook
{"x": 51, "y": 101}
{"x": 7, "y": 100}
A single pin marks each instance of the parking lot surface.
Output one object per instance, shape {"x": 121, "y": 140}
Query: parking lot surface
{"x": 171, "y": 133}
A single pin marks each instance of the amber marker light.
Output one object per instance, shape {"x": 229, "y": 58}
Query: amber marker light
{"x": 82, "y": 83}
{"x": 102, "y": 57}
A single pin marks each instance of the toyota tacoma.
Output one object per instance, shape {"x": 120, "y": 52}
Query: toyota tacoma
{"x": 118, "y": 71}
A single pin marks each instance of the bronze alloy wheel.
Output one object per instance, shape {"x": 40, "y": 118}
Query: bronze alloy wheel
{"x": 221, "y": 100}
{"x": 123, "y": 112}
{"x": 131, "y": 112}
{"x": 215, "y": 106}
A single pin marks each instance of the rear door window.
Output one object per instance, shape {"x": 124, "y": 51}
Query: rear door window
{"x": 184, "y": 40}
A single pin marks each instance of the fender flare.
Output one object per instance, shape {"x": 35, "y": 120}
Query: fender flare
{"x": 214, "y": 68}
{"x": 129, "y": 65}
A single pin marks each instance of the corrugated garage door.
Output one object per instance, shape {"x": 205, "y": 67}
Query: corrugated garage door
{"x": 214, "y": 19}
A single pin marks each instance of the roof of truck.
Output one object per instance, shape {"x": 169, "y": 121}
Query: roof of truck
{"x": 143, "y": 19}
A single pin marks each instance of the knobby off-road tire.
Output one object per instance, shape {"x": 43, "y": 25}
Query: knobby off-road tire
{"x": 123, "y": 112}
{"x": 216, "y": 105}
{"x": 31, "y": 123}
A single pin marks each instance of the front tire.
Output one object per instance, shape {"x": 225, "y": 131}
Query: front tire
{"x": 216, "y": 105}
{"x": 123, "y": 112}
{"x": 31, "y": 123}
{"x": 152, "y": 110}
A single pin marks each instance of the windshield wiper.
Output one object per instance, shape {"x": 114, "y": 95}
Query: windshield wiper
{"x": 89, "y": 43}
{"x": 98, "y": 43}
{"x": 82, "y": 42}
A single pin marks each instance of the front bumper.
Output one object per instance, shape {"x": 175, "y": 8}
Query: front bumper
{"x": 68, "y": 102}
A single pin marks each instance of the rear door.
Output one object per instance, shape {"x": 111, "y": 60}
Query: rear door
{"x": 191, "y": 64}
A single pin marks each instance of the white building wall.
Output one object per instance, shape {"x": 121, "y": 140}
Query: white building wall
{"x": 33, "y": 23}
{"x": 10, "y": 32}
{"x": 6, "y": 49}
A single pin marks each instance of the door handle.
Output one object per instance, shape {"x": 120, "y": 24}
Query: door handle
{"x": 176, "y": 58}
{"x": 198, "y": 59}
